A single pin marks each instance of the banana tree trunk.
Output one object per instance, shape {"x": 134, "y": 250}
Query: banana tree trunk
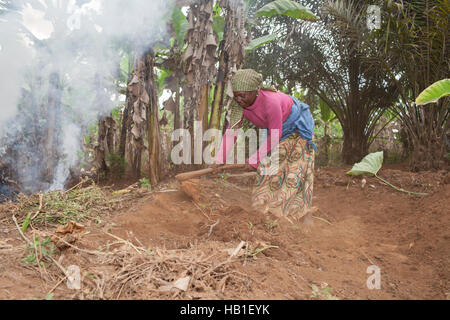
{"x": 138, "y": 101}
{"x": 154, "y": 137}
{"x": 203, "y": 110}
{"x": 218, "y": 94}
{"x": 177, "y": 114}
{"x": 125, "y": 125}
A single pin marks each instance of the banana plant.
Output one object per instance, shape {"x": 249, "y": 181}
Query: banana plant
{"x": 434, "y": 92}
{"x": 370, "y": 166}
{"x": 280, "y": 7}
{"x": 288, "y": 8}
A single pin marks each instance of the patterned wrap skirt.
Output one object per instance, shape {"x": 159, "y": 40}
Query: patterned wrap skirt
{"x": 287, "y": 191}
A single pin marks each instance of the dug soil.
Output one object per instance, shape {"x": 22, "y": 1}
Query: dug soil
{"x": 204, "y": 231}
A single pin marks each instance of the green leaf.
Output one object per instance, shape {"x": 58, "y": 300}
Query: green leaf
{"x": 219, "y": 26}
{"x": 370, "y": 165}
{"x": 26, "y": 223}
{"x": 258, "y": 42}
{"x": 288, "y": 8}
{"x": 434, "y": 92}
{"x": 116, "y": 113}
{"x": 325, "y": 111}
{"x": 162, "y": 77}
{"x": 180, "y": 24}
{"x": 87, "y": 139}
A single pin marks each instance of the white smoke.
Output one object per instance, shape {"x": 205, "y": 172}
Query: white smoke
{"x": 14, "y": 58}
{"x": 71, "y": 143}
{"x": 81, "y": 41}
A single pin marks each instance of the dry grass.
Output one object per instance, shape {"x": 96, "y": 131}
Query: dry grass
{"x": 86, "y": 201}
{"x": 153, "y": 274}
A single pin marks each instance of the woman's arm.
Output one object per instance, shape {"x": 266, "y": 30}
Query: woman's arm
{"x": 275, "y": 128}
{"x": 228, "y": 142}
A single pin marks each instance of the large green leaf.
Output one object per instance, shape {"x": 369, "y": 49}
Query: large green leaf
{"x": 370, "y": 165}
{"x": 258, "y": 42}
{"x": 288, "y": 8}
{"x": 434, "y": 92}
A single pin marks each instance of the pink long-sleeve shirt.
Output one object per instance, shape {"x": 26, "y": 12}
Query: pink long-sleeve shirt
{"x": 269, "y": 111}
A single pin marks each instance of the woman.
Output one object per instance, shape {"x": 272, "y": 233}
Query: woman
{"x": 288, "y": 191}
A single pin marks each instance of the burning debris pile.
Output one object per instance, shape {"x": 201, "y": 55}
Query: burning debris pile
{"x": 50, "y": 86}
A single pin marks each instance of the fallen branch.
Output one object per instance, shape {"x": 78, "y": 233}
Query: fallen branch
{"x": 57, "y": 285}
{"x": 77, "y": 185}
{"x": 212, "y": 227}
{"x": 124, "y": 242}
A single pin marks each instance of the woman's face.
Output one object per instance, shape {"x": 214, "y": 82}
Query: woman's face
{"x": 245, "y": 98}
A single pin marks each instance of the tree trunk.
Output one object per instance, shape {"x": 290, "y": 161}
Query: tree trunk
{"x": 177, "y": 114}
{"x": 325, "y": 144}
{"x": 355, "y": 146}
{"x": 428, "y": 137}
{"x": 125, "y": 126}
{"x": 100, "y": 150}
{"x": 218, "y": 93}
{"x": 105, "y": 148}
{"x": 199, "y": 62}
{"x": 203, "y": 109}
{"x": 106, "y": 127}
{"x": 139, "y": 100}
{"x": 428, "y": 154}
{"x": 154, "y": 137}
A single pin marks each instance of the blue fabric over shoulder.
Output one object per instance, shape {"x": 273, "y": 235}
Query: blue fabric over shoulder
{"x": 300, "y": 120}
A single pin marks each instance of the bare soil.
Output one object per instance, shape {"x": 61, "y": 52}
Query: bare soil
{"x": 190, "y": 230}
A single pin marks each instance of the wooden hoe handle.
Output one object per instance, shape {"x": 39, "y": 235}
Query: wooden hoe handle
{"x": 199, "y": 173}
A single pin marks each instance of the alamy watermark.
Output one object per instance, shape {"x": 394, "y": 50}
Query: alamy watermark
{"x": 182, "y": 152}
{"x": 374, "y": 281}
{"x": 73, "y": 278}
